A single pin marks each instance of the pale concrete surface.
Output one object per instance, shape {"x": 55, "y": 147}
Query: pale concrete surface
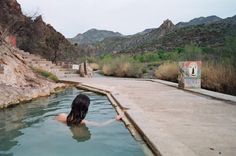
{"x": 176, "y": 122}
{"x": 200, "y": 91}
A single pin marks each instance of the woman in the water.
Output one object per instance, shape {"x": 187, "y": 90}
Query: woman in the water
{"x": 79, "y": 109}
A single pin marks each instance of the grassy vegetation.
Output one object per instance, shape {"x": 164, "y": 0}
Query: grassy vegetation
{"x": 46, "y": 74}
{"x": 94, "y": 66}
{"x": 216, "y": 77}
{"x": 120, "y": 66}
{"x": 168, "y": 71}
{"x": 218, "y": 70}
{"x": 218, "y": 66}
{"x": 219, "y": 77}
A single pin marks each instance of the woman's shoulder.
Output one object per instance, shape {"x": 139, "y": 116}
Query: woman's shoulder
{"x": 62, "y": 117}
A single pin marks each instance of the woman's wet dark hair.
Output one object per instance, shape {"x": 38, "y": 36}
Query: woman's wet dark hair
{"x": 79, "y": 109}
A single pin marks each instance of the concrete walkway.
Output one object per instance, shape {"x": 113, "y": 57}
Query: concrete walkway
{"x": 173, "y": 121}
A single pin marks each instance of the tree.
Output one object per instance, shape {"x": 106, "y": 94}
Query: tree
{"x": 53, "y": 42}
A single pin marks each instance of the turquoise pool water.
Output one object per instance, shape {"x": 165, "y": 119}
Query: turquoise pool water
{"x": 31, "y": 130}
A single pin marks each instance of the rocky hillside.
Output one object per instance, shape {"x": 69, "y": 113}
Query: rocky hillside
{"x": 17, "y": 80}
{"x": 93, "y": 36}
{"x": 118, "y": 44}
{"x": 145, "y": 31}
{"x": 199, "y": 21}
{"x": 206, "y": 32}
{"x": 32, "y": 33}
{"x": 212, "y": 35}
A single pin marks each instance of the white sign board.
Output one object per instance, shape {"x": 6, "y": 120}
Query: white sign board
{"x": 75, "y": 66}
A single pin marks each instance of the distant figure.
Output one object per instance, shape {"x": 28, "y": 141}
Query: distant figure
{"x": 79, "y": 109}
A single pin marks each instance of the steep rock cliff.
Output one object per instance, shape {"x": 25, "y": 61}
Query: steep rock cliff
{"x": 17, "y": 81}
{"x": 33, "y": 34}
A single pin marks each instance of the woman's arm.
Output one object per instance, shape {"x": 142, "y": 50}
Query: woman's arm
{"x": 62, "y": 117}
{"x": 100, "y": 124}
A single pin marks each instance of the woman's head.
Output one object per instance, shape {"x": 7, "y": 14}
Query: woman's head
{"x": 79, "y": 109}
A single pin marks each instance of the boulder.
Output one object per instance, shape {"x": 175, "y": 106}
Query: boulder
{"x": 85, "y": 70}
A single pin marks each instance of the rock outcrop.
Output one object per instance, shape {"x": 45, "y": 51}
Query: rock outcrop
{"x": 33, "y": 34}
{"x": 17, "y": 80}
{"x": 129, "y": 43}
{"x": 166, "y": 27}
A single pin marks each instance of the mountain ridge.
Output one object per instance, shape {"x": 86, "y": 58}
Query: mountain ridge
{"x": 204, "y": 31}
{"x": 193, "y": 22}
{"x": 93, "y": 36}
{"x": 199, "y": 21}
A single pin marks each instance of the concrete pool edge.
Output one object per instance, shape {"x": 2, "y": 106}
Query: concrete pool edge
{"x": 200, "y": 91}
{"x": 159, "y": 145}
{"x": 134, "y": 129}
{"x": 159, "y": 140}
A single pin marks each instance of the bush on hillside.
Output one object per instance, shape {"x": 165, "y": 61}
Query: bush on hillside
{"x": 121, "y": 66}
{"x": 219, "y": 77}
{"x": 191, "y": 53}
{"x": 46, "y": 74}
{"x": 215, "y": 76}
{"x": 168, "y": 71}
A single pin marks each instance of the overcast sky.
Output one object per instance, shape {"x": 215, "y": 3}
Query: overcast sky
{"x": 71, "y": 17}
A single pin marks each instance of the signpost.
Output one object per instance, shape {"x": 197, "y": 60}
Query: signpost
{"x": 75, "y": 66}
{"x": 190, "y": 74}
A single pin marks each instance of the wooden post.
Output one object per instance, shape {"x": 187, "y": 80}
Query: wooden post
{"x": 1, "y": 69}
{"x": 85, "y": 68}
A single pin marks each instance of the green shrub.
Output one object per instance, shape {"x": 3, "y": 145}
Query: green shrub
{"x": 219, "y": 77}
{"x": 53, "y": 77}
{"x": 147, "y": 57}
{"x": 46, "y": 74}
{"x": 121, "y": 66}
{"x": 191, "y": 53}
{"x": 168, "y": 71}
